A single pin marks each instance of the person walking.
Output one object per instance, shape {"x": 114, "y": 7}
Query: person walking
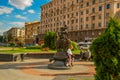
{"x": 70, "y": 56}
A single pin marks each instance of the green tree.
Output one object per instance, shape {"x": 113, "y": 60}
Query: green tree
{"x": 106, "y": 52}
{"x": 20, "y": 44}
{"x": 12, "y": 44}
{"x": 74, "y": 44}
{"x": 10, "y": 38}
{"x": 1, "y": 38}
{"x": 50, "y": 40}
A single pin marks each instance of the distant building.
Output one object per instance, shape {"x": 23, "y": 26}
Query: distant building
{"x": 14, "y": 35}
{"x": 31, "y": 33}
{"x": 5, "y": 36}
{"x": 85, "y": 19}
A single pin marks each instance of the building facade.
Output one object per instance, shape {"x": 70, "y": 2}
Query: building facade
{"x": 85, "y": 19}
{"x": 14, "y": 35}
{"x": 31, "y": 32}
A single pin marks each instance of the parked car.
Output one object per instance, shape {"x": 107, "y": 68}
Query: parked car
{"x": 85, "y": 53}
{"x": 84, "y": 45}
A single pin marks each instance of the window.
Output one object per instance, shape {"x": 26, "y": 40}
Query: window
{"x": 93, "y": 17}
{"x": 94, "y": 1}
{"x": 82, "y": 13}
{"x": 100, "y": 16}
{"x": 87, "y": 11}
{"x": 87, "y": 4}
{"x": 77, "y": 1}
{"x": 86, "y": 26}
{"x": 107, "y": 15}
{"x": 100, "y": 0}
{"x": 72, "y": 2}
{"x": 107, "y": 23}
{"x": 87, "y": 18}
{"x": 64, "y": 17}
{"x": 72, "y": 15}
{"x": 108, "y": 6}
{"x": 81, "y": 26}
{"x": 93, "y": 33}
{"x": 61, "y": 1}
{"x": 81, "y": 5}
{"x": 118, "y": 5}
{"x": 93, "y": 25}
{"x": 68, "y": 15}
{"x": 72, "y": 22}
{"x": 99, "y": 24}
{"x": 93, "y": 10}
{"x": 76, "y": 13}
{"x": 77, "y": 28}
{"x": 81, "y": 0}
{"x": 76, "y": 20}
{"x": 100, "y": 8}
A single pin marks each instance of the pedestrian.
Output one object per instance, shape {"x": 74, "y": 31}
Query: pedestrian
{"x": 70, "y": 56}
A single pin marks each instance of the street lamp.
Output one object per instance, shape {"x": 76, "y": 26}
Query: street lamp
{"x": 104, "y": 12}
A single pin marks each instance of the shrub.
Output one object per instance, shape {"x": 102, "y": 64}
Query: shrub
{"x": 75, "y": 46}
{"x": 49, "y": 40}
{"x": 106, "y": 51}
{"x": 11, "y": 44}
{"x": 20, "y": 44}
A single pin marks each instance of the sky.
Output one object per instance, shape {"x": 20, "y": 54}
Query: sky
{"x": 14, "y": 13}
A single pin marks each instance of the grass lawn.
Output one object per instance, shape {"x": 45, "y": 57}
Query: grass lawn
{"x": 21, "y": 50}
{"x": 24, "y": 50}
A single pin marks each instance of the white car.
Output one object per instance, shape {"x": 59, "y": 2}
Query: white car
{"x": 84, "y": 45}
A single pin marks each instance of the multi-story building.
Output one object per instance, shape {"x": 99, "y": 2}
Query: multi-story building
{"x": 5, "y": 36}
{"x": 31, "y": 32}
{"x": 85, "y": 19}
{"x": 15, "y": 35}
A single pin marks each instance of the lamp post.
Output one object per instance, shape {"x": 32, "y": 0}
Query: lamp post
{"x": 63, "y": 8}
{"x": 79, "y": 15}
{"x": 104, "y": 13}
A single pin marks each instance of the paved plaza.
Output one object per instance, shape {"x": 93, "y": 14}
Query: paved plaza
{"x": 36, "y": 69}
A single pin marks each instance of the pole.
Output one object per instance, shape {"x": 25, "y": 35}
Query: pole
{"x": 79, "y": 15}
{"x": 104, "y": 13}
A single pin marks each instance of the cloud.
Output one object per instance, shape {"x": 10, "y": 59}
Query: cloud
{"x": 5, "y": 10}
{"x": 1, "y": 24}
{"x": 24, "y": 12}
{"x": 7, "y": 15}
{"x": 18, "y": 24}
{"x": 31, "y": 11}
{"x": 21, "y": 17}
{"x": 2, "y": 31}
{"x": 21, "y": 4}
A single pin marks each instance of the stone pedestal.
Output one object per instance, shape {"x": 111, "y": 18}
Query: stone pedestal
{"x": 60, "y": 59}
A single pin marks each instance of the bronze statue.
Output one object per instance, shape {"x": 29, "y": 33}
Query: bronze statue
{"x": 62, "y": 44}
{"x": 63, "y": 38}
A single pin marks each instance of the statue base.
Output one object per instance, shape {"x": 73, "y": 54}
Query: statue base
{"x": 60, "y": 59}
{"x": 59, "y": 65}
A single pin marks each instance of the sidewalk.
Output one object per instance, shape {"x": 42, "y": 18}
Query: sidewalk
{"x": 36, "y": 69}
